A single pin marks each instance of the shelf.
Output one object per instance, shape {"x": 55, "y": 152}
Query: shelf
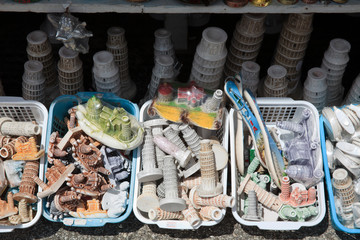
{"x": 172, "y": 6}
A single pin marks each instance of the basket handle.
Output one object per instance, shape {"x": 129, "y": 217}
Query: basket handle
{"x": 88, "y": 95}
{"x": 11, "y": 99}
{"x": 267, "y": 100}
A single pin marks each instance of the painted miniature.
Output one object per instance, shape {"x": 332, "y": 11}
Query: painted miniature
{"x": 267, "y": 199}
{"x": 8, "y": 150}
{"x": 105, "y": 125}
{"x": 92, "y": 210}
{"x": 187, "y": 105}
{"x": 27, "y": 150}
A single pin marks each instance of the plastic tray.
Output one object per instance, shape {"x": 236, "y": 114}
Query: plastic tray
{"x": 222, "y": 133}
{"x": 24, "y": 110}
{"x": 273, "y": 110}
{"x": 58, "y": 110}
{"x": 334, "y": 218}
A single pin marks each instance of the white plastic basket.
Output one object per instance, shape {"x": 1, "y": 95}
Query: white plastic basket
{"x": 223, "y": 134}
{"x": 273, "y": 110}
{"x": 23, "y": 110}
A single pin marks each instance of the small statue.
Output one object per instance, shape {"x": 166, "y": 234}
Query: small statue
{"x": 303, "y": 150}
{"x": 116, "y": 163}
{"x": 71, "y": 31}
{"x": 53, "y": 150}
{"x": 112, "y": 126}
{"x": 87, "y": 156}
{"x": 88, "y": 183}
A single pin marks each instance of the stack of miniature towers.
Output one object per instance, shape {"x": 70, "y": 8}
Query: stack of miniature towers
{"x": 334, "y": 62}
{"x": 163, "y": 70}
{"x": 39, "y": 49}
{"x": 33, "y": 84}
{"x": 276, "y": 84}
{"x": 250, "y": 76}
{"x": 201, "y": 197}
{"x": 246, "y": 42}
{"x": 209, "y": 59}
{"x": 117, "y": 45}
{"x": 292, "y": 45}
{"x": 163, "y": 44}
{"x": 344, "y": 190}
{"x": 70, "y": 72}
{"x": 106, "y": 73}
{"x": 315, "y": 88}
{"x": 353, "y": 95}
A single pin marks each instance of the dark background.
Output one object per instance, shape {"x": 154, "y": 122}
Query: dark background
{"x": 140, "y": 37}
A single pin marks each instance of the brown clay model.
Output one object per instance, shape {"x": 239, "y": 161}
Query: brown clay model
{"x": 53, "y": 150}
{"x": 87, "y": 155}
{"x": 7, "y": 208}
{"x": 28, "y": 186}
{"x": 4, "y": 140}
{"x": 24, "y": 211}
{"x": 8, "y": 150}
{"x": 56, "y": 176}
{"x": 93, "y": 210}
{"x": 71, "y": 123}
{"x": 88, "y": 183}
{"x": 66, "y": 200}
{"x": 27, "y": 150}
{"x": 72, "y": 133}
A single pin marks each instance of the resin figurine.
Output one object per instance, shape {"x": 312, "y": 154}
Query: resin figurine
{"x": 113, "y": 127}
{"x": 114, "y": 200}
{"x": 115, "y": 162}
{"x": 303, "y": 150}
{"x": 188, "y": 104}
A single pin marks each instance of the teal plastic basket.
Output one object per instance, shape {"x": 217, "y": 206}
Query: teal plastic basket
{"x": 334, "y": 218}
{"x": 58, "y": 110}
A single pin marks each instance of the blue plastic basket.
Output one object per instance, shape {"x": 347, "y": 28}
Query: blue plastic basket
{"x": 334, "y": 218}
{"x": 58, "y": 110}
